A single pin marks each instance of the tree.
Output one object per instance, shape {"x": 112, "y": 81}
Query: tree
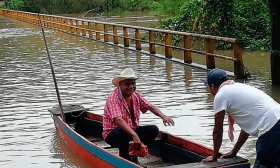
{"x": 275, "y": 41}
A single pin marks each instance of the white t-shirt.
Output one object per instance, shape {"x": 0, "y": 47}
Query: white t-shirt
{"x": 252, "y": 109}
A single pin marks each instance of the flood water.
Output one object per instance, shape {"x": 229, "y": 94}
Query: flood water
{"x": 84, "y": 70}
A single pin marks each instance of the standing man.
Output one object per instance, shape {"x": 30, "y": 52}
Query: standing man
{"x": 253, "y": 110}
{"x": 121, "y": 116}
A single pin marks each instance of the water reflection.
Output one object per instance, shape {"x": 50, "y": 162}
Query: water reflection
{"x": 168, "y": 68}
{"x": 63, "y": 156}
{"x": 152, "y": 61}
{"x": 188, "y": 75}
{"x": 138, "y": 58}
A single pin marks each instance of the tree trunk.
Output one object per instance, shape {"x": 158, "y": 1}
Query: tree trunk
{"x": 275, "y": 48}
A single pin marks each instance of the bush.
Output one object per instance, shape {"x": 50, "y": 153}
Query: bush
{"x": 16, "y": 5}
{"x": 246, "y": 20}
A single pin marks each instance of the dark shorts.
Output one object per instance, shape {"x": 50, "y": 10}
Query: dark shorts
{"x": 268, "y": 148}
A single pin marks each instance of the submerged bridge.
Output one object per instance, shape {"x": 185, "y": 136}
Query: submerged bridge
{"x": 133, "y": 38}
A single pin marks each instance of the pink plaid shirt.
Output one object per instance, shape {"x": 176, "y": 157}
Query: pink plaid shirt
{"x": 116, "y": 107}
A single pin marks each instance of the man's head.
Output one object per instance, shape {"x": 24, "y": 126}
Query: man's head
{"x": 214, "y": 79}
{"x": 128, "y": 87}
{"x": 126, "y": 81}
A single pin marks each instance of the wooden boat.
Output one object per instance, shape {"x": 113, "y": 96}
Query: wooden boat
{"x": 82, "y": 132}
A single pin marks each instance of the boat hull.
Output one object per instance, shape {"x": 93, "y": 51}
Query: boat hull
{"x": 170, "y": 148}
{"x": 95, "y": 156}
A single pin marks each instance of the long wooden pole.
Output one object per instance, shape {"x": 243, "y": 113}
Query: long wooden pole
{"x": 53, "y": 74}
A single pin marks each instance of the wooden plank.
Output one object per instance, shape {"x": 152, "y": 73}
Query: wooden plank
{"x": 167, "y": 45}
{"x": 67, "y": 109}
{"x": 187, "y": 54}
{"x": 219, "y": 163}
{"x": 152, "y": 46}
{"x": 210, "y": 61}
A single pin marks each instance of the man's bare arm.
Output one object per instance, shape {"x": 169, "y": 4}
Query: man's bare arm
{"x": 157, "y": 112}
{"x": 123, "y": 125}
{"x": 217, "y": 136}
{"x": 243, "y": 136}
{"x": 218, "y": 133}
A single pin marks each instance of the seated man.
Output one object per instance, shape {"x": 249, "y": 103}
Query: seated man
{"x": 121, "y": 116}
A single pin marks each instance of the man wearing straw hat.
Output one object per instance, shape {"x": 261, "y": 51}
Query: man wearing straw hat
{"x": 253, "y": 110}
{"x": 121, "y": 116}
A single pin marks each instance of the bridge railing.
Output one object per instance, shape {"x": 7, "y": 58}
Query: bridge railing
{"x": 116, "y": 33}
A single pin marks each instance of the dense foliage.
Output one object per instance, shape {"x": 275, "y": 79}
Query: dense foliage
{"x": 247, "y": 20}
{"x": 168, "y": 6}
{"x": 55, "y": 6}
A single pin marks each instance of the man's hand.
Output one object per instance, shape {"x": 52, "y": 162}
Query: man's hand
{"x": 167, "y": 121}
{"x": 209, "y": 159}
{"x": 136, "y": 140}
{"x": 231, "y": 154}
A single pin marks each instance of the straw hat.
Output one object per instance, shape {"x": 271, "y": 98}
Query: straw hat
{"x": 127, "y": 73}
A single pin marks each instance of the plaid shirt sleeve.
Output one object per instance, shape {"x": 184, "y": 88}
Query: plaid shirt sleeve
{"x": 145, "y": 105}
{"x": 112, "y": 107}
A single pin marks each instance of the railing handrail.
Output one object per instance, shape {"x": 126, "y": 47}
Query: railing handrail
{"x": 218, "y": 38}
{"x": 83, "y": 27}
